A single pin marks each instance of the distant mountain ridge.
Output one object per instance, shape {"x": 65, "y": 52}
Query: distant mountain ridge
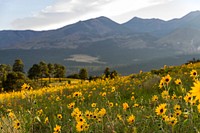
{"x": 162, "y": 27}
{"x": 136, "y": 33}
{"x": 100, "y": 42}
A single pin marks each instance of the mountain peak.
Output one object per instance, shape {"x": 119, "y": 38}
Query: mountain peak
{"x": 100, "y": 26}
{"x": 191, "y": 15}
{"x": 101, "y": 19}
{"x": 140, "y": 25}
{"x": 197, "y": 12}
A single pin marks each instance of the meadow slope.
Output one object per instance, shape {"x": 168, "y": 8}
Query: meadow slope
{"x": 164, "y": 100}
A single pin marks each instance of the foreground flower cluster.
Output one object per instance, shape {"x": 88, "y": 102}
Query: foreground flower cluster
{"x": 145, "y": 102}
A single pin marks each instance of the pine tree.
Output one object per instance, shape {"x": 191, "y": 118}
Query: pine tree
{"x": 83, "y": 74}
{"x": 18, "y": 66}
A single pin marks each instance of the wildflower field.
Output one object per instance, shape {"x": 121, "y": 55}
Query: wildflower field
{"x": 165, "y": 100}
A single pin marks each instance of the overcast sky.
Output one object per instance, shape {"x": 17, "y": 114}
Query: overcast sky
{"x": 52, "y": 14}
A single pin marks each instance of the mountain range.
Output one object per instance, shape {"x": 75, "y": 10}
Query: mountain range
{"x": 136, "y": 33}
{"x": 103, "y": 41}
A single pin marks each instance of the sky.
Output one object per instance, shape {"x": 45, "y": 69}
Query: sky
{"x": 52, "y": 14}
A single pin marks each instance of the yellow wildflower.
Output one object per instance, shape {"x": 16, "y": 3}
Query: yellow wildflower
{"x": 94, "y": 105}
{"x": 196, "y": 90}
{"x": 16, "y": 124}
{"x": 59, "y": 116}
{"x": 178, "y": 82}
{"x": 193, "y": 73}
{"x": 131, "y": 119}
{"x": 46, "y": 121}
{"x": 125, "y": 106}
{"x": 161, "y": 109}
{"x": 57, "y": 129}
{"x": 165, "y": 95}
{"x": 154, "y": 98}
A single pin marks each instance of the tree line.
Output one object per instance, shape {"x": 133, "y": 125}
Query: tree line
{"x": 13, "y": 77}
{"x": 194, "y": 60}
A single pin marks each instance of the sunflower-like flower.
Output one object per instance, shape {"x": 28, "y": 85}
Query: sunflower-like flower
{"x": 16, "y": 124}
{"x": 132, "y": 98}
{"x": 188, "y": 97}
{"x": 177, "y": 113}
{"x": 196, "y": 90}
{"x": 125, "y": 106}
{"x": 198, "y": 107}
{"x": 172, "y": 121}
{"x": 94, "y": 105}
{"x": 154, "y": 98}
{"x": 82, "y": 126}
{"x": 161, "y": 109}
{"x": 165, "y": 118}
{"x": 193, "y": 73}
{"x": 165, "y": 95}
{"x": 131, "y": 119}
{"x": 113, "y": 89}
{"x": 178, "y": 82}
{"x": 103, "y": 94}
{"x": 76, "y": 112}
{"x": 174, "y": 96}
{"x": 102, "y": 112}
{"x": 110, "y": 104}
{"x": 80, "y": 119}
{"x": 11, "y": 115}
{"x": 59, "y": 116}
{"x": 71, "y": 105}
{"x": 161, "y": 84}
{"x": 77, "y": 94}
{"x": 167, "y": 79}
{"x": 57, "y": 129}
{"x": 119, "y": 117}
{"x": 177, "y": 107}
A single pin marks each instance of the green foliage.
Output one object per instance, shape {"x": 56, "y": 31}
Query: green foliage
{"x": 113, "y": 74}
{"x": 14, "y": 81}
{"x": 12, "y": 78}
{"x": 51, "y": 71}
{"x": 18, "y": 66}
{"x": 74, "y": 76}
{"x": 194, "y": 60}
{"x": 83, "y": 74}
{"x": 34, "y": 72}
{"x": 4, "y": 70}
{"x": 43, "y": 69}
{"x": 60, "y": 71}
{"x": 107, "y": 72}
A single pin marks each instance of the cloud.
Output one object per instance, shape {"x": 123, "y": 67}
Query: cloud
{"x": 124, "y": 12}
{"x": 64, "y": 12}
{"x": 166, "y": 9}
{"x": 61, "y": 13}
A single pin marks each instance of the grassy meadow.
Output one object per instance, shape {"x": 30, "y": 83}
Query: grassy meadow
{"x": 164, "y": 100}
